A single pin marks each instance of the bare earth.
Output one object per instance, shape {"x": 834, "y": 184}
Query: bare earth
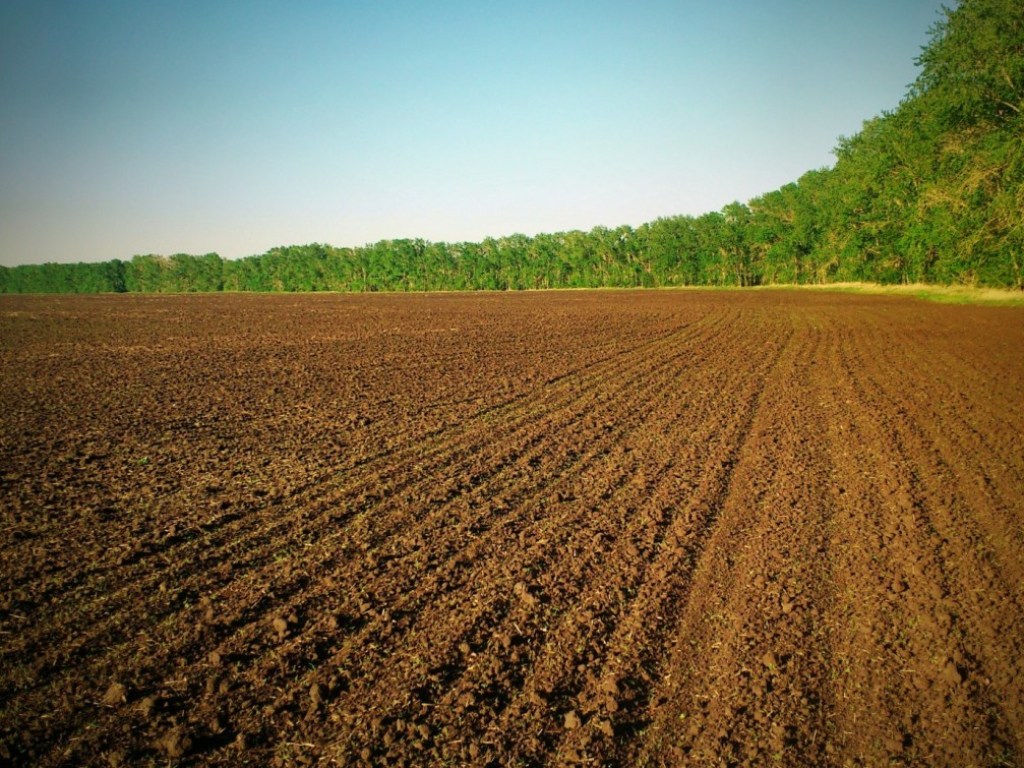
{"x": 607, "y": 528}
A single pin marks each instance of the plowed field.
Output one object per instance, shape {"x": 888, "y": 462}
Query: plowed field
{"x": 611, "y": 528}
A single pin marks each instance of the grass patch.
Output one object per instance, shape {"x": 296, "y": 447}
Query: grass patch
{"x": 945, "y": 294}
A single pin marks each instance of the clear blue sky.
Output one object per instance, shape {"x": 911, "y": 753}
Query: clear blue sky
{"x": 163, "y": 127}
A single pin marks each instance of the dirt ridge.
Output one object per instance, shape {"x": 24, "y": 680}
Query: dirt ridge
{"x": 612, "y": 528}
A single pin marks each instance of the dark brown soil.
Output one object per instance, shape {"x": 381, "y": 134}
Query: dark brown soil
{"x": 606, "y": 528}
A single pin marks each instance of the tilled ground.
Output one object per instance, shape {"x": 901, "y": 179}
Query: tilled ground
{"x": 611, "y": 528}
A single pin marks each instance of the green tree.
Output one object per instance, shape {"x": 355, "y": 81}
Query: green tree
{"x": 972, "y": 70}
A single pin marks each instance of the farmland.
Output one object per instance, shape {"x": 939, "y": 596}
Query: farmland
{"x": 612, "y": 528}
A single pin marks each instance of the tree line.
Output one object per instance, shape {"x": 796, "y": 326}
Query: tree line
{"x": 931, "y": 192}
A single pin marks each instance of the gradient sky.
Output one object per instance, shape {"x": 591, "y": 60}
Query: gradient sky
{"x": 164, "y": 127}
